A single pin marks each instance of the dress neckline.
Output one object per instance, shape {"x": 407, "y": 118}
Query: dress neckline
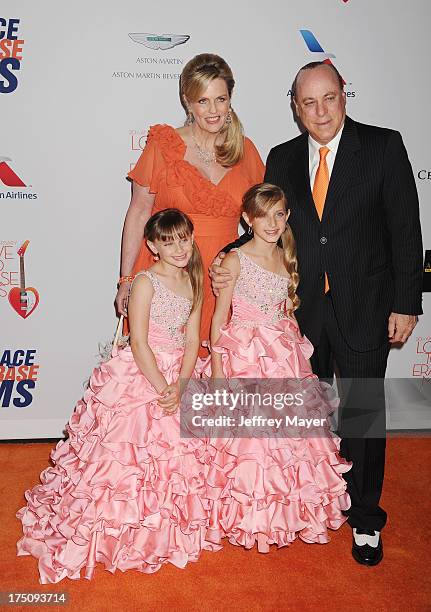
{"x": 157, "y": 278}
{"x": 194, "y": 168}
{"x": 261, "y": 267}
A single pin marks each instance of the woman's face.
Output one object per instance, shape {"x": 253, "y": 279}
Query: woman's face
{"x": 211, "y": 109}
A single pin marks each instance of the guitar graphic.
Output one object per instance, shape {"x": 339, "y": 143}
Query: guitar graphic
{"x": 23, "y": 299}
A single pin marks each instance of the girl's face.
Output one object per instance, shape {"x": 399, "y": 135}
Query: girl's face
{"x": 271, "y": 226}
{"x": 174, "y": 251}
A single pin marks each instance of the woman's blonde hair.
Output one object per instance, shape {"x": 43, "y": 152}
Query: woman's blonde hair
{"x": 172, "y": 223}
{"x": 256, "y": 202}
{"x": 197, "y": 74}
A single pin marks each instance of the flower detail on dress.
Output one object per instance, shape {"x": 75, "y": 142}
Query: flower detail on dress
{"x": 171, "y": 144}
{"x": 208, "y": 199}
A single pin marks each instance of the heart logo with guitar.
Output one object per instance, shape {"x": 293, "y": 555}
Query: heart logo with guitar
{"x": 23, "y": 300}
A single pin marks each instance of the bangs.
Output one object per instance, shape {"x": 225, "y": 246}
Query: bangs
{"x": 264, "y": 203}
{"x": 168, "y": 230}
{"x": 173, "y": 235}
{"x": 168, "y": 224}
{"x": 260, "y": 198}
{"x": 200, "y": 83}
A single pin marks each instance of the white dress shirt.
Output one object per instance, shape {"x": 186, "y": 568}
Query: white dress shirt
{"x": 314, "y": 155}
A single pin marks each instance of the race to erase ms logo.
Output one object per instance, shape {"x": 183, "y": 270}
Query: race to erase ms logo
{"x": 422, "y": 365}
{"x": 318, "y": 54}
{"x": 11, "y": 177}
{"x": 19, "y": 373}
{"x": 11, "y": 54}
{"x": 138, "y": 139}
{"x": 23, "y": 299}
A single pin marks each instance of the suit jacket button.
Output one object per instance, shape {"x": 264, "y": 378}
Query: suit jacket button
{"x": 323, "y": 240}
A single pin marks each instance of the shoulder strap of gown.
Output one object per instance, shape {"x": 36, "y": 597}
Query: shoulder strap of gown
{"x": 153, "y": 278}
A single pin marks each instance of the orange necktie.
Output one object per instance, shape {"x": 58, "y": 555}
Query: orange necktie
{"x": 320, "y": 189}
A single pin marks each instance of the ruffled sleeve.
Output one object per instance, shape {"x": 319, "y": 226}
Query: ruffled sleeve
{"x": 253, "y": 164}
{"x": 150, "y": 163}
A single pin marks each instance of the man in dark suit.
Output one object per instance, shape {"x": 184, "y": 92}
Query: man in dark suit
{"x": 355, "y": 217}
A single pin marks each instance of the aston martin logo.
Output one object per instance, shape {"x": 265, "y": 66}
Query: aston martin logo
{"x": 159, "y": 41}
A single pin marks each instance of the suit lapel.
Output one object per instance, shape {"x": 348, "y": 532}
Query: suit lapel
{"x": 344, "y": 166}
{"x": 299, "y": 177}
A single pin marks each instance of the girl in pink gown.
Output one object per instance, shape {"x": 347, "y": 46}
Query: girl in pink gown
{"x": 270, "y": 490}
{"x": 125, "y": 490}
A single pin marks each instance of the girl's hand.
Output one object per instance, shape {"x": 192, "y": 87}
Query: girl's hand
{"x": 170, "y": 398}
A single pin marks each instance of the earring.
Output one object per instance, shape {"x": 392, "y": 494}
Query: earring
{"x": 250, "y": 230}
{"x": 190, "y": 118}
{"x": 229, "y": 118}
{"x": 156, "y": 257}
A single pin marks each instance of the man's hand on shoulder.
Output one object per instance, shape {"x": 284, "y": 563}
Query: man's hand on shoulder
{"x": 400, "y": 327}
{"x": 220, "y": 276}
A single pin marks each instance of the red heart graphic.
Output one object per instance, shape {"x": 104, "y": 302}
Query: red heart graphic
{"x": 24, "y": 301}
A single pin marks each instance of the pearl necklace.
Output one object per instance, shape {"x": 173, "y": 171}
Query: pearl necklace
{"x": 207, "y": 157}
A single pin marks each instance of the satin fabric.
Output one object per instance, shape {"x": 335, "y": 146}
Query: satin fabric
{"x": 124, "y": 490}
{"x": 270, "y": 490}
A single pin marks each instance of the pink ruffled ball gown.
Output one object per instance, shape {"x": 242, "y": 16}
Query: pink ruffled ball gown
{"x": 270, "y": 490}
{"x": 125, "y": 490}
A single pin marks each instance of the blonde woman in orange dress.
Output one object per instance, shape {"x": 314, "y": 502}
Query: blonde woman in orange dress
{"x": 203, "y": 168}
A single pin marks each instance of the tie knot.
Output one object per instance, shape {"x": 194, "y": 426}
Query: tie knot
{"x": 323, "y": 151}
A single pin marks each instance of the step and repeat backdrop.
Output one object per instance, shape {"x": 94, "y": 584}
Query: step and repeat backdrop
{"x": 80, "y": 84}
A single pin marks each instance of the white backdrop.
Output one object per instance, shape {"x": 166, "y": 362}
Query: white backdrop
{"x": 71, "y": 128}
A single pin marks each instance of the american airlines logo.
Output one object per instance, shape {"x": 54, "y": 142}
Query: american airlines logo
{"x": 313, "y": 45}
{"x": 17, "y": 189}
{"x": 8, "y": 176}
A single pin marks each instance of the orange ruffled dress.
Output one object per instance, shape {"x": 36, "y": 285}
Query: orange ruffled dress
{"x": 214, "y": 209}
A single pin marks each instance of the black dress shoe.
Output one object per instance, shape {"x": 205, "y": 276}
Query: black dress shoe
{"x": 366, "y": 554}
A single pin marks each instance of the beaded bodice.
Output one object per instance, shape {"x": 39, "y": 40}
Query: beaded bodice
{"x": 266, "y": 292}
{"x": 169, "y": 311}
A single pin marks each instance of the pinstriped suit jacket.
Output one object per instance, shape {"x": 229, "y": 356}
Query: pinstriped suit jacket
{"x": 369, "y": 240}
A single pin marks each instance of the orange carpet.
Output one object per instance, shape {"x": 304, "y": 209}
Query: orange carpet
{"x": 299, "y": 578}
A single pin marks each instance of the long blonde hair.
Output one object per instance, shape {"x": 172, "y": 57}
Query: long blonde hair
{"x": 255, "y": 203}
{"x": 197, "y": 74}
{"x": 172, "y": 223}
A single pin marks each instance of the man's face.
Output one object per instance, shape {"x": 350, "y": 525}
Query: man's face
{"x": 320, "y": 103}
